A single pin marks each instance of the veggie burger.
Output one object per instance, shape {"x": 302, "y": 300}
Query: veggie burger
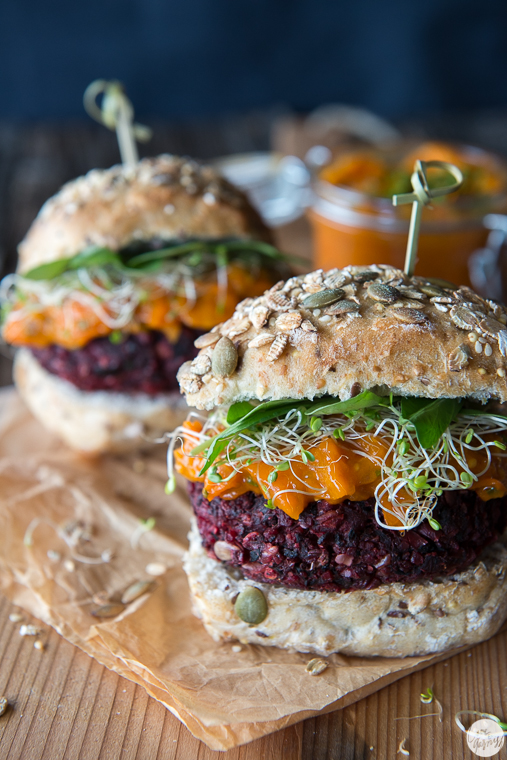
{"x": 119, "y": 274}
{"x": 349, "y": 482}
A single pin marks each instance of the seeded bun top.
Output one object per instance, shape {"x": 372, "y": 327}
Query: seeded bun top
{"x": 344, "y": 331}
{"x": 165, "y": 197}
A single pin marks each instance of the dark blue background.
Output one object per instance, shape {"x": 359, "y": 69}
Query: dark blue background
{"x": 197, "y": 58}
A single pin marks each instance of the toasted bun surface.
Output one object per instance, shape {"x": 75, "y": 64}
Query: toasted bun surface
{"x": 99, "y": 421}
{"x": 395, "y": 620}
{"x": 382, "y": 331}
{"x": 165, "y": 197}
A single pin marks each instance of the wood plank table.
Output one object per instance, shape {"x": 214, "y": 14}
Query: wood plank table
{"x": 63, "y": 704}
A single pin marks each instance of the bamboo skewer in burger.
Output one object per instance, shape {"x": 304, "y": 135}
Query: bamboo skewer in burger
{"x": 121, "y": 271}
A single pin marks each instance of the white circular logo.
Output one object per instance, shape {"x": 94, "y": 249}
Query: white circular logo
{"x": 485, "y": 738}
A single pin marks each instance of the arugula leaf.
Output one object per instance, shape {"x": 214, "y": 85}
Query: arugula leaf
{"x": 161, "y": 254}
{"x": 331, "y": 406}
{"x": 430, "y": 417}
{"x": 217, "y": 445}
{"x": 238, "y": 410}
{"x": 242, "y": 418}
{"x": 259, "y": 246}
{"x": 91, "y": 257}
{"x": 412, "y": 404}
{"x": 94, "y": 257}
{"x": 48, "y": 271}
{"x": 264, "y": 412}
{"x": 151, "y": 261}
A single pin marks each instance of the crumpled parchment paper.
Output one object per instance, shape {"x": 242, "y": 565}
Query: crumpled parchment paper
{"x": 58, "y": 509}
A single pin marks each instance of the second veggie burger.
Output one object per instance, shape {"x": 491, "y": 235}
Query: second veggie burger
{"x": 119, "y": 274}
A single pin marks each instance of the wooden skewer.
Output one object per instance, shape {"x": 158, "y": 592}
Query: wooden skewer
{"x": 422, "y": 196}
{"x": 116, "y": 113}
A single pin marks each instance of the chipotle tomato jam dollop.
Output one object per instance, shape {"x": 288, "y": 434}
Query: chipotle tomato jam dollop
{"x": 75, "y": 322}
{"x": 335, "y": 472}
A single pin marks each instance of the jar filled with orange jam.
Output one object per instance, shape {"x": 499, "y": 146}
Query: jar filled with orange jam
{"x": 354, "y": 221}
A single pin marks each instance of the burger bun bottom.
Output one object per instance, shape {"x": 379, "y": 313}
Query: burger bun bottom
{"x": 95, "y": 421}
{"x": 395, "y": 620}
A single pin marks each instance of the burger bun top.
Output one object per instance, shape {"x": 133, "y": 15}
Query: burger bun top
{"x": 165, "y": 198}
{"x": 341, "y": 332}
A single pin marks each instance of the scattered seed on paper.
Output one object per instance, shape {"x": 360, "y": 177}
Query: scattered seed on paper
{"x": 101, "y": 597}
{"x": 108, "y": 610}
{"x": 155, "y": 568}
{"x": 316, "y": 666}
{"x": 29, "y": 630}
{"x": 135, "y": 590}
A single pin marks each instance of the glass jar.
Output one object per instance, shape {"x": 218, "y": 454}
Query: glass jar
{"x": 353, "y": 227}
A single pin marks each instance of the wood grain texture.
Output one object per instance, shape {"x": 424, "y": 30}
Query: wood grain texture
{"x": 65, "y": 706}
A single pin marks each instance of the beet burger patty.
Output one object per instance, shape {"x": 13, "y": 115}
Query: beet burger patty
{"x": 349, "y": 482}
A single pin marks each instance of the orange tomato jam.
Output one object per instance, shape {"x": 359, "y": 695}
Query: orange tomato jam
{"x": 73, "y": 324}
{"x": 337, "y": 473}
{"x": 380, "y": 174}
